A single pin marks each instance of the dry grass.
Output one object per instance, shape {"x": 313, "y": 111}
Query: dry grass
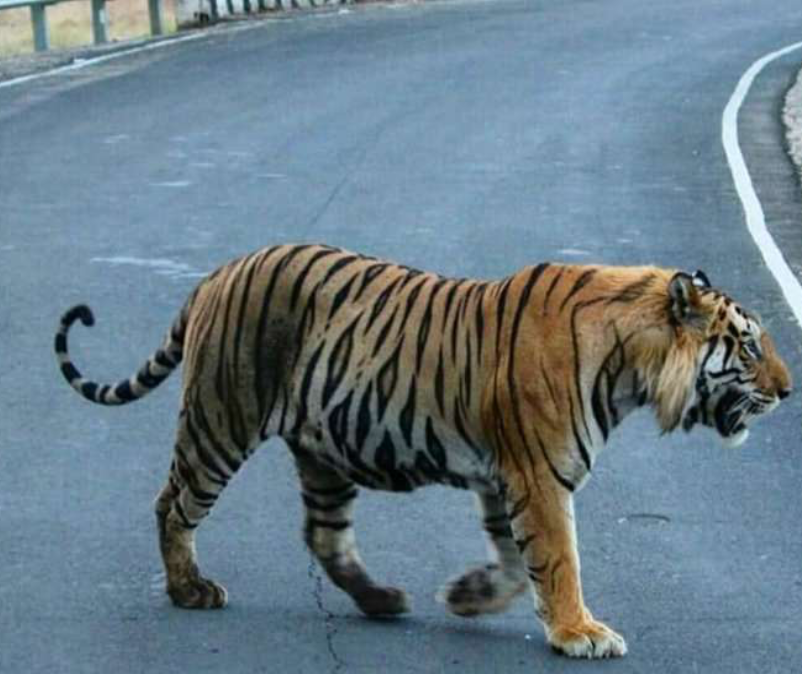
{"x": 70, "y": 24}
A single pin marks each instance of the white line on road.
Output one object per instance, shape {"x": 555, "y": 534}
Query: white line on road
{"x": 753, "y": 211}
{"x": 83, "y": 63}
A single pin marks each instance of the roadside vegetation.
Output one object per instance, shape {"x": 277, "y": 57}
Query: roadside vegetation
{"x": 70, "y": 24}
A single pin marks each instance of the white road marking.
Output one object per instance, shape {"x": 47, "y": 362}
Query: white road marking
{"x": 753, "y": 211}
{"x": 161, "y": 266}
{"x": 173, "y": 184}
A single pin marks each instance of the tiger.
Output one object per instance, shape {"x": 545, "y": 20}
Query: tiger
{"x": 382, "y": 376}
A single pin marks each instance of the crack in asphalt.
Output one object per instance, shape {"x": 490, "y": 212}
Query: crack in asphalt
{"x": 331, "y": 629}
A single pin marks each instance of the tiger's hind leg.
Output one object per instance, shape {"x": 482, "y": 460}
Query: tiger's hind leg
{"x": 202, "y": 466}
{"x": 328, "y": 502}
{"x": 492, "y": 587}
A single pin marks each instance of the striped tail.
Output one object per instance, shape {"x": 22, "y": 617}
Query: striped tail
{"x": 155, "y": 370}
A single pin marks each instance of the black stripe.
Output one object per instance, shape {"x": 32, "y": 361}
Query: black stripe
{"x": 223, "y": 374}
{"x": 306, "y": 385}
{"x": 380, "y": 303}
{"x": 213, "y": 472}
{"x": 149, "y": 380}
{"x": 449, "y": 301}
{"x": 634, "y": 291}
{"x": 190, "y": 478}
{"x": 565, "y": 482}
{"x": 519, "y": 507}
{"x": 123, "y": 391}
{"x": 480, "y": 321}
{"x": 363, "y": 420}
{"x": 331, "y": 492}
{"x": 406, "y": 420}
{"x": 523, "y": 543}
{"x": 300, "y": 279}
{"x": 425, "y": 325}
{"x": 89, "y": 390}
{"x": 435, "y": 447}
{"x": 370, "y": 275}
{"x": 387, "y": 379}
{"x": 262, "y": 355}
{"x": 499, "y": 532}
{"x": 412, "y": 298}
{"x": 74, "y": 313}
{"x": 549, "y": 385}
{"x": 243, "y": 307}
{"x": 199, "y": 417}
{"x": 381, "y": 338}
{"x": 579, "y": 306}
{"x": 465, "y": 381}
{"x": 341, "y": 296}
{"x": 61, "y": 343}
{"x": 599, "y": 413}
{"x": 580, "y": 283}
{"x": 583, "y": 451}
{"x": 338, "y": 423}
{"x": 180, "y": 512}
{"x": 535, "y": 573}
{"x": 491, "y": 520}
{"x": 385, "y": 454}
{"x": 338, "y": 362}
{"x": 439, "y": 382}
{"x": 534, "y": 276}
{"x": 553, "y": 285}
{"x": 455, "y": 326}
{"x": 409, "y": 275}
{"x": 502, "y": 303}
{"x": 313, "y": 504}
{"x": 162, "y": 358}
{"x": 338, "y": 266}
{"x": 70, "y": 372}
{"x": 459, "y": 424}
{"x": 313, "y": 523}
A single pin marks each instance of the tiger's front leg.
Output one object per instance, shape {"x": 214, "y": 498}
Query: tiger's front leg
{"x": 542, "y": 517}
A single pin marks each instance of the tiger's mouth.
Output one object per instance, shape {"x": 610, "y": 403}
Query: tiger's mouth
{"x": 729, "y": 416}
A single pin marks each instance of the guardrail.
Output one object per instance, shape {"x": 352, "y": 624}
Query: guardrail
{"x": 41, "y": 35}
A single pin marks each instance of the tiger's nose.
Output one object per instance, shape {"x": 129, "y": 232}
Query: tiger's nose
{"x": 783, "y": 393}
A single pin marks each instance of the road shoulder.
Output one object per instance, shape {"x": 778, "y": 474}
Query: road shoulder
{"x": 763, "y": 137}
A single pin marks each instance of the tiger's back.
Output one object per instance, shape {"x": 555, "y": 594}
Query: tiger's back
{"x": 369, "y": 365}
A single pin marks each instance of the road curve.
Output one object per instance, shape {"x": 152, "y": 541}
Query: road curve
{"x": 468, "y": 137}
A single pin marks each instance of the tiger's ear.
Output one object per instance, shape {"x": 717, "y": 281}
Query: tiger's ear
{"x": 685, "y": 304}
{"x": 700, "y": 279}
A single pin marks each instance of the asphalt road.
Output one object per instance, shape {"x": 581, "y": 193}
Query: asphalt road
{"x": 470, "y": 138}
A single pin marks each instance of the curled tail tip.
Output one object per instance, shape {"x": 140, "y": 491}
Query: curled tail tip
{"x": 79, "y": 312}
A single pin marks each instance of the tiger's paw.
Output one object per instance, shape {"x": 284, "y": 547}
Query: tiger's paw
{"x": 486, "y": 589}
{"x": 199, "y": 593}
{"x": 590, "y": 639}
{"x": 375, "y": 601}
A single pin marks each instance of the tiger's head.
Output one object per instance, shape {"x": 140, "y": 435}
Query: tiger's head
{"x": 737, "y": 374}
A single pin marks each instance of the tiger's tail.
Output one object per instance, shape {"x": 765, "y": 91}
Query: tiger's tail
{"x": 156, "y": 369}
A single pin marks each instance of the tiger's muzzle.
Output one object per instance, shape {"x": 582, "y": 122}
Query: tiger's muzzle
{"x": 730, "y": 412}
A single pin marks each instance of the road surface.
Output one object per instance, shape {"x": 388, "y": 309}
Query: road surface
{"x": 470, "y": 138}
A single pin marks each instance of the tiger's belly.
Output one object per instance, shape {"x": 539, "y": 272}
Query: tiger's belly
{"x": 392, "y": 459}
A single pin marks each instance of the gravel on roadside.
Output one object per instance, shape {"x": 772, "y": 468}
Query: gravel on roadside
{"x": 12, "y": 67}
{"x": 792, "y": 117}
